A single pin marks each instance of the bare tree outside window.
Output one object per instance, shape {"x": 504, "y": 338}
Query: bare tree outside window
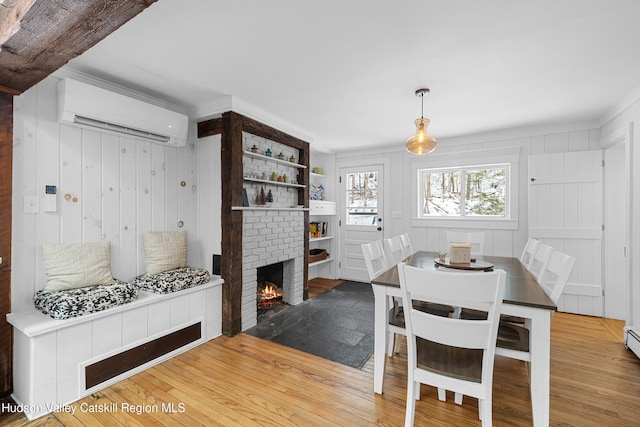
{"x": 480, "y": 191}
{"x": 362, "y": 198}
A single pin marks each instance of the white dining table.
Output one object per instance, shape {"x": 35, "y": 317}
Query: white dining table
{"x": 523, "y": 297}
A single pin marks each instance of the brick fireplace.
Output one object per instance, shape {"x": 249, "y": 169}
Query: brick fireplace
{"x": 270, "y": 236}
{"x": 253, "y": 236}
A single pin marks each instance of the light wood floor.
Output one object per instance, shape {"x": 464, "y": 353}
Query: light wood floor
{"x": 246, "y": 381}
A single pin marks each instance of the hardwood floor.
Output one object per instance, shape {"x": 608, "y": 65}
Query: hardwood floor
{"x": 247, "y": 381}
{"x": 320, "y": 285}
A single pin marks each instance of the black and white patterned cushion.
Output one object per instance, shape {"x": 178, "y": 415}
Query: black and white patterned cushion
{"x": 77, "y": 302}
{"x": 172, "y": 280}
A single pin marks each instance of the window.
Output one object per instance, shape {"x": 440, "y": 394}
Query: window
{"x": 472, "y": 191}
{"x": 362, "y": 198}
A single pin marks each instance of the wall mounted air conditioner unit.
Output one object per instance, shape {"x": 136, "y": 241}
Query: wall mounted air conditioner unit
{"x": 82, "y": 104}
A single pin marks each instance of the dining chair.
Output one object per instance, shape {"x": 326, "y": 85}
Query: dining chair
{"x": 476, "y": 238}
{"x": 556, "y": 275}
{"x": 405, "y": 242}
{"x": 540, "y": 260}
{"x": 393, "y": 249}
{"x": 447, "y": 353}
{"x": 529, "y": 251}
{"x": 377, "y": 263}
{"x": 512, "y": 336}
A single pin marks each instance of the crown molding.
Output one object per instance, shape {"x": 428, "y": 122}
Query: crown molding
{"x": 620, "y": 107}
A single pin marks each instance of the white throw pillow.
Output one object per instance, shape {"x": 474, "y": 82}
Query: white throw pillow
{"x": 164, "y": 251}
{"x": 76, "y": 265}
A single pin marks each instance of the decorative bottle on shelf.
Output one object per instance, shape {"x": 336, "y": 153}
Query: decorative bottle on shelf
{"x": 281, "y": 156}
{"x": 268, "y": 152}
{"x": 261, "y": 199}
{"x": 269, "y": 197}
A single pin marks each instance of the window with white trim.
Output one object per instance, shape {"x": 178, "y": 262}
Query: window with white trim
{"x": 480, "y": 191}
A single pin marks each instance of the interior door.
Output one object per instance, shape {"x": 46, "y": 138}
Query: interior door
{"x": 565, "y": 211}
{"x": 360, "y": 218}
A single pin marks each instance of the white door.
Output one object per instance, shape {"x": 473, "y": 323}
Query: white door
{"x": 565, "y": 211}
{"x": 615, "y": 220}
{"x": 360, "y": 217}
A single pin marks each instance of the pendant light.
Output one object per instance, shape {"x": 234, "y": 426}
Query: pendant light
{"x": 421, "y": 142}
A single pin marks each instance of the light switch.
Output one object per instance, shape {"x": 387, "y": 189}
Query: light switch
{"x": 31, "y": 204}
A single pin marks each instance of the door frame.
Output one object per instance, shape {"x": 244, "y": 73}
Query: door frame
{"x": 340, "y": 202}
{"x": 622, "y": 136}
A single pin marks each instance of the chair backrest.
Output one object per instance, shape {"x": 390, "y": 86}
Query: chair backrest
{"x": 476, "y": 290}
{"x": 476, "y": 238}
{"x": 556, "y": 275}
{"x": 540, "y": 260}
{"x": 529, "y": 251}
{"x": 375, "y": 258}
{"x": 393, "y": 249}
{"x": 405, "y": 242}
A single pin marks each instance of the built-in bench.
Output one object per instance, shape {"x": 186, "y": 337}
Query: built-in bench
{"x": 56, "y": 362}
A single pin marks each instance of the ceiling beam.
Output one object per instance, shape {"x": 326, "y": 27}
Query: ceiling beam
{"x": 39, "y": 36}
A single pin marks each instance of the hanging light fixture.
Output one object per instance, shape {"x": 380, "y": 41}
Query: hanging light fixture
{"x": 421, "y": 142}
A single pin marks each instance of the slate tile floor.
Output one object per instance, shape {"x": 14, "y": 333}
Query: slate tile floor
{"x": 336, "y": 325}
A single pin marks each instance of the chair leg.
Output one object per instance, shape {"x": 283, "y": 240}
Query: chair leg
{"x": 485, "y": 415}
{"x": 442, "y": 394}
{"x": 396, "y": 343}
{"x": 458, "y": 398}
{"x": 391, "y": 338}
{"x": 411, "y": 404}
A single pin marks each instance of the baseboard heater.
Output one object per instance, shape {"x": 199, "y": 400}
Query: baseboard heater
{"x": 113, "y": 366}
{"x": 632, "y": 339}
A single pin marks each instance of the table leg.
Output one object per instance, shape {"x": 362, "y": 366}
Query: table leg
{"x": 540, "y": 348}
{"x": 381, "y": 321}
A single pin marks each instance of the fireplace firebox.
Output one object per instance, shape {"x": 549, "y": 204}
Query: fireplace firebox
{"x": 269, "y": 290}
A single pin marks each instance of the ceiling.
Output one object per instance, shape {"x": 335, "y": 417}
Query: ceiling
{"x": 344, "y": 73}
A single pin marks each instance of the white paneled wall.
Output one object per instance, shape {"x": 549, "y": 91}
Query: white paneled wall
{"x": 498, "y": 241}
{"x": 110, "y": 187}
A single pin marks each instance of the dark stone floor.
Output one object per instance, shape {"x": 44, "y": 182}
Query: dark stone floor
{"x": 336, "y": 325}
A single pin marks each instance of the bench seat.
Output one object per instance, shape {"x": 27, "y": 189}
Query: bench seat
{"x": 56, "y": 360}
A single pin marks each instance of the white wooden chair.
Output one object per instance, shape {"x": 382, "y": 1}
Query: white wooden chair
{"x": 377, "y": 263}
{"x": 405, "y": 242}
{"x": 529, "y": 251}
{"x": 393, "y": 249}
{"x": 476, "y": 238}
{"x": 540, "y": 260}
{"x": 447, "y": 353}
{"x": 556, "y": 275}
{"x": 514, "y": 338}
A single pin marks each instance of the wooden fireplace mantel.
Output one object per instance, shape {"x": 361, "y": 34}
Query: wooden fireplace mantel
{"x": 230, "y": 126}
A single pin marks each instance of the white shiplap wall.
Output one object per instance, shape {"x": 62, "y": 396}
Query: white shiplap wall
{"x": 110, "y": 187}
{"x": 498, "y": 241}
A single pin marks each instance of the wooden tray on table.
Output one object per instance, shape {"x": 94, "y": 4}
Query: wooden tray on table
{"x": 474, "y": 265}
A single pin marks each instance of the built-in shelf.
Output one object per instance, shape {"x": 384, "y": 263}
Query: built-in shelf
{"x": 313, "y": 264}
{"x": 275, "y": 160}
{"x": 267, "y": 181}
{"x": 264, "y": 208}
{"x": 316, "y": 175}
{"x": 317, "y": 239}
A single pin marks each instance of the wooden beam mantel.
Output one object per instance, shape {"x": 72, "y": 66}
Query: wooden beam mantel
{"x": 39, "y": 36}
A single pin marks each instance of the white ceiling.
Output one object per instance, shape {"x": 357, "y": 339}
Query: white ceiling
{"x": 345, "y": 72}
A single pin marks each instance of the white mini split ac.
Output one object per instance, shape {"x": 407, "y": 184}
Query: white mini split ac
{"x": 81, "y": 104}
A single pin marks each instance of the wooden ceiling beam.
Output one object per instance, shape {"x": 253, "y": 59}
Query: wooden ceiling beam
{"x": 40, "y": 36}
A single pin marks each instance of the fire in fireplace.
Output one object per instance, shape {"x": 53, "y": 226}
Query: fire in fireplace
{"x": 269, "y": 294}
{"x": 269, "y": 290}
